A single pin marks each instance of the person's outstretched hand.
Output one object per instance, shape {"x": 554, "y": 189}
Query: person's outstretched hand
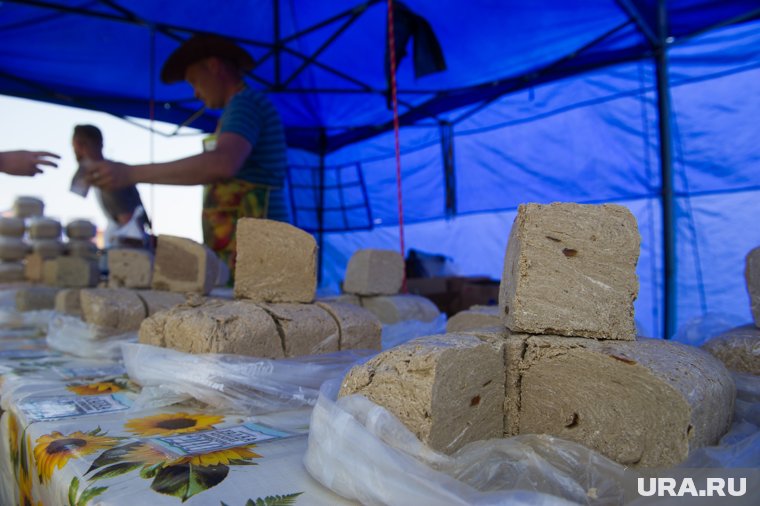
{"x": 26, "y": 163}
{"x": 108, "y": 175}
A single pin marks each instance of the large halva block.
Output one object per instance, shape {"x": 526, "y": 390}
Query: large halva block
{"x": 306, "y": 329}
{"x": 183, "y": 265}
{"x": 738, "y": 349}
{"x": 157, "y": 300}
{"x": 36, "y": 298}
{"x": 447, "y": 389}
{"x": 570, "y": 269}
{"x": 237, "y": 327}
{"x": 395, "y": 308}
{"x": 114, "y": 311}
{"x": 69, "y": 301}
{"x": 752, "y": 275}
{"x": 513, "y": 347}
{"x": 129, "y": 268}
{"x": 644, "y": 403}
{"x": 374, "y": 272}
{"x": 71, "y": 272}
{"x": 276, "y": 262}
{"x": 474, "y": 318}
{"x": 359, "y": 329}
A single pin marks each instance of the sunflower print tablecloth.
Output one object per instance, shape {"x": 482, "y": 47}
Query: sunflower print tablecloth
{"x": 70, "y": 436}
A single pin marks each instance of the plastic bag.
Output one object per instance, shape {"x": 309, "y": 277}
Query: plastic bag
{"x": 701, "y": 329}
{"x": 362, "y": 452}
{"x": 406, "y": 330}
{"x": 71, "y": 335}
{"x": 236, "y": 383}
{"x": 8, "y": 299}
{"x": 10, "y": 318}
{"x": 740, "y": 446}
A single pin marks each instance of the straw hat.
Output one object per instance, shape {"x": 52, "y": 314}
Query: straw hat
{"x": 200, "y": 47}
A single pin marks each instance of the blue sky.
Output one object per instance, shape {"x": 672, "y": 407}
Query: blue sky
{"x": 26, "y": 124}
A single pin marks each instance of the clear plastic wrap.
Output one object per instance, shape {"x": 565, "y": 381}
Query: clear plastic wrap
{"x": 234, "y": 383}
{"x": 701, "y": 329}
{"x": 7, "y": 299}
{"x": 362, "y": 452}
{"x": 69, "y": 334}
{"x": 740, "y": 446}
{"x": 406, "y": 330}
{"x": 10, "y": 318}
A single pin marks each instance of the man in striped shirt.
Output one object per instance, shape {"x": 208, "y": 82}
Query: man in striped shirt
{"x": 243, "y": 169}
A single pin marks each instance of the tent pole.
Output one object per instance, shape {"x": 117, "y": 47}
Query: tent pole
{"x": 277, "y": 46}
{"x": 321, "y": 203}
{"x": 666, "y": 166}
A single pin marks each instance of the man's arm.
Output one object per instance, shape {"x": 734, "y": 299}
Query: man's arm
{"x": 25, "y": 163}
{"x": 208, "y": 167}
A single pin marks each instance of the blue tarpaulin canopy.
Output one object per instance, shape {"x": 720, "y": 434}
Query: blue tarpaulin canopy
{"x": 540, "y": 101}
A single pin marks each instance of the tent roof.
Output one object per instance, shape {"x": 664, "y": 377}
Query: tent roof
{"x": 323, "y": 62}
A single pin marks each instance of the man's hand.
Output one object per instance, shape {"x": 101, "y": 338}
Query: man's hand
{"x": 26, "y": 163}
{"x": 108, "y": 175}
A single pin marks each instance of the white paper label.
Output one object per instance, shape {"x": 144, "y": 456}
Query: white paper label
{"x": 218, "y": 439}
{"x": 106, "y": 371}
{"x": 51, "y": 408}
{"x": 24, "y": 354}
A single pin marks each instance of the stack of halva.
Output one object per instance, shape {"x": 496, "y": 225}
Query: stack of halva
{"x": 12, "y": 249}
{"x": 739, "y": 348}
{"x": 140, "y": 285}
{"x": 565, "y": 361}
{"x": 273, "y": 314}
{"x": 52, "y": 265}
{"x": 373, "y": 280}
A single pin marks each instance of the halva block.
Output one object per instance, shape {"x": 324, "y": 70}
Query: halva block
{"x": 447, "y": 389}
{"x": 276, "y": 262}
{"x": 395, "y": 308}
{"x": 238, "y": 327}
{"x": 129, "y": 268}
{"x": 115, "y": 310}
{"x": 570, "y": 269}
{"x": 183, "y": 265}
{"x": 374, "y": 272}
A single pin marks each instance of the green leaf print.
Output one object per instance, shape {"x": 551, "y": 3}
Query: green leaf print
{"x": 73, "y": 489}
{"x": 187, "y": 480}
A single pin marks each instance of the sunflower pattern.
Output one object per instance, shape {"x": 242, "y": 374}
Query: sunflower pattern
{"x": 110, "y": 386}
{"x": 181, "y": 477}
{"x": 13, "y": 437}
{"x": 53, "y": 451}
{"x": 25, "y": 497}
{"x": 171, "y": 424}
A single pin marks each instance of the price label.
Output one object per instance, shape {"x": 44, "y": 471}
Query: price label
{"x": 53, "y": 408}
{"x": 218, "y": 439}
{"x": 24, "y": 354}
{"x": 108, "y": 371}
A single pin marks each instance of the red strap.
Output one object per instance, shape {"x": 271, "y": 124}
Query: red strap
{"x": 394, "y": 98}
